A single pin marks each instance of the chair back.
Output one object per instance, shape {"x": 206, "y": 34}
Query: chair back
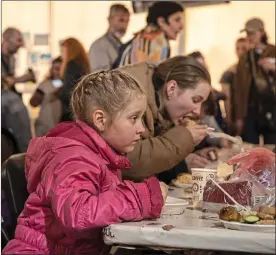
{"x": 14, "y": 185}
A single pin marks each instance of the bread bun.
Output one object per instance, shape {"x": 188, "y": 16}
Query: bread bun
{"x": 190, "y": 123}
{"x": 184, "y": 178}
{"x": 268, "y": 210}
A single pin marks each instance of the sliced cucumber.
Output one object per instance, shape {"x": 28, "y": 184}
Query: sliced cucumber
{"x": 251, "y": 219}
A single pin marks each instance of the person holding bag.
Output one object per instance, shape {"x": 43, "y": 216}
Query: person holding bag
{"x": 254, "y": 84}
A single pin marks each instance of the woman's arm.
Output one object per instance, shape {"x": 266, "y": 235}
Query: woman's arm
{"x": 158, "y": 154}
{"x": 37, "y": 98}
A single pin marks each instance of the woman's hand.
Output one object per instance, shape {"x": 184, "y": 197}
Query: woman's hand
{"x": 224, "y": 143}
{"x": 204, "y": 153}
{"x": 195, "y": 161}
{"x": 198, "y": 133}
{"x": 267, "y": 64}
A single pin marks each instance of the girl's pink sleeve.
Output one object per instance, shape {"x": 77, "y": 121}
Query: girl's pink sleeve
{"x": 79, "y": 205}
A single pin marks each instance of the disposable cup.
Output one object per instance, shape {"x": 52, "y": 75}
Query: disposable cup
{"x": 200, "y": 177}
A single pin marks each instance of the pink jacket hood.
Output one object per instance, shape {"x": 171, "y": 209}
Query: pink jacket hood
{"x": 68, "y": 134}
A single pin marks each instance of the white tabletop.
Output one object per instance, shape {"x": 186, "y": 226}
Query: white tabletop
{"x": 190, "y": 232}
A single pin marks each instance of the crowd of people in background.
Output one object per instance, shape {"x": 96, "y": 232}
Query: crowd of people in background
{"x": 247, "y": 103}
{"x": 171, "y": 91}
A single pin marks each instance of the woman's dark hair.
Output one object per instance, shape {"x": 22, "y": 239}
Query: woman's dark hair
{"x": 210, "y": 106}
{"x": 196, "y": 55}
{"x": 162, "y": 9}
{"x": 57, "y": 60}
{"x": 186, "y": 71}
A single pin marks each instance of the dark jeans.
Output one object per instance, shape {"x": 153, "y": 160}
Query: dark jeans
{"x": 251, "y": 132}
{"x": 171, "y": 174}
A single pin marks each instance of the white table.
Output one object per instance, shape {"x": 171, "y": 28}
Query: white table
{"x": 190, "y": 232}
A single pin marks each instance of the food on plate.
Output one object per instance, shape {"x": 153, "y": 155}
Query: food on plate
{"x": 246, "y": 213}
{"x": 184, "y": 178}
{"x": 251, "y": 219}
{"x": 266, "y": 222}
{"x": 224, "y": 171}
{"x": 230, "y": 213}
{"x": 268, "y": 210}
{"x": 264, "y": 216}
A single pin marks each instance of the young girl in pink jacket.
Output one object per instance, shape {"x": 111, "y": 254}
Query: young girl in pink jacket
{"x": 74, "y": 177}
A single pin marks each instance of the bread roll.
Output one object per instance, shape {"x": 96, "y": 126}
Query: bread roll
{"x": 190, "y": 123}
{"x": 268, "y": 210}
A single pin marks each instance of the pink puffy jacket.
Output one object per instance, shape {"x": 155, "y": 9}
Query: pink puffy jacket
{"x": 75, "y": 188}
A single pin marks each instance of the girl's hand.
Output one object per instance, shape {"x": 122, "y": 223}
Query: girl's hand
{"x": 164, "y": 189}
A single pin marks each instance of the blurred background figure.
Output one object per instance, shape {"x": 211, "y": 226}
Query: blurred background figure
{"x": 75, "y": 64}
{"x": 226, "y": 82}
{"x": 12, "y": 41}
{"x": 208, "y": 117}
{"x": 254, "y": 87}
{"x": 212, "y": 113}
{"x": 104, "y": 51}
{"x": 15, "y": 122}
{"x": 164, "y": 22}
{"x": 44, "y": 96}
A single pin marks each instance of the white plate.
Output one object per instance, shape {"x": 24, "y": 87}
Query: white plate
{"x": 174, "y": 206}
{"x": 181, "y": 185}
{"x": 172, "y": 201}
{"x": 248, "y": 227}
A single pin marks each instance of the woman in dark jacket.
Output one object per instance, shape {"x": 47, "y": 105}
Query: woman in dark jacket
{"x": 75, "y": 65}
{"x": 254, "y": 87}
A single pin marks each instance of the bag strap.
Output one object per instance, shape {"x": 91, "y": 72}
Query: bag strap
{"x": 253, "y": 64}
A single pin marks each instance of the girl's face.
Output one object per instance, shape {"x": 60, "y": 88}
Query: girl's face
{"x": 185, "y": 103}
{"x": 125, "y": 130}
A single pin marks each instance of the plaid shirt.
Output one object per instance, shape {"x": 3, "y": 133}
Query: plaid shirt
{"x": 150, "y": 44}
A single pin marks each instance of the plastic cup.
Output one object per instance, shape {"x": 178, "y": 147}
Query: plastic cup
{"x": 200, "y": 177}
